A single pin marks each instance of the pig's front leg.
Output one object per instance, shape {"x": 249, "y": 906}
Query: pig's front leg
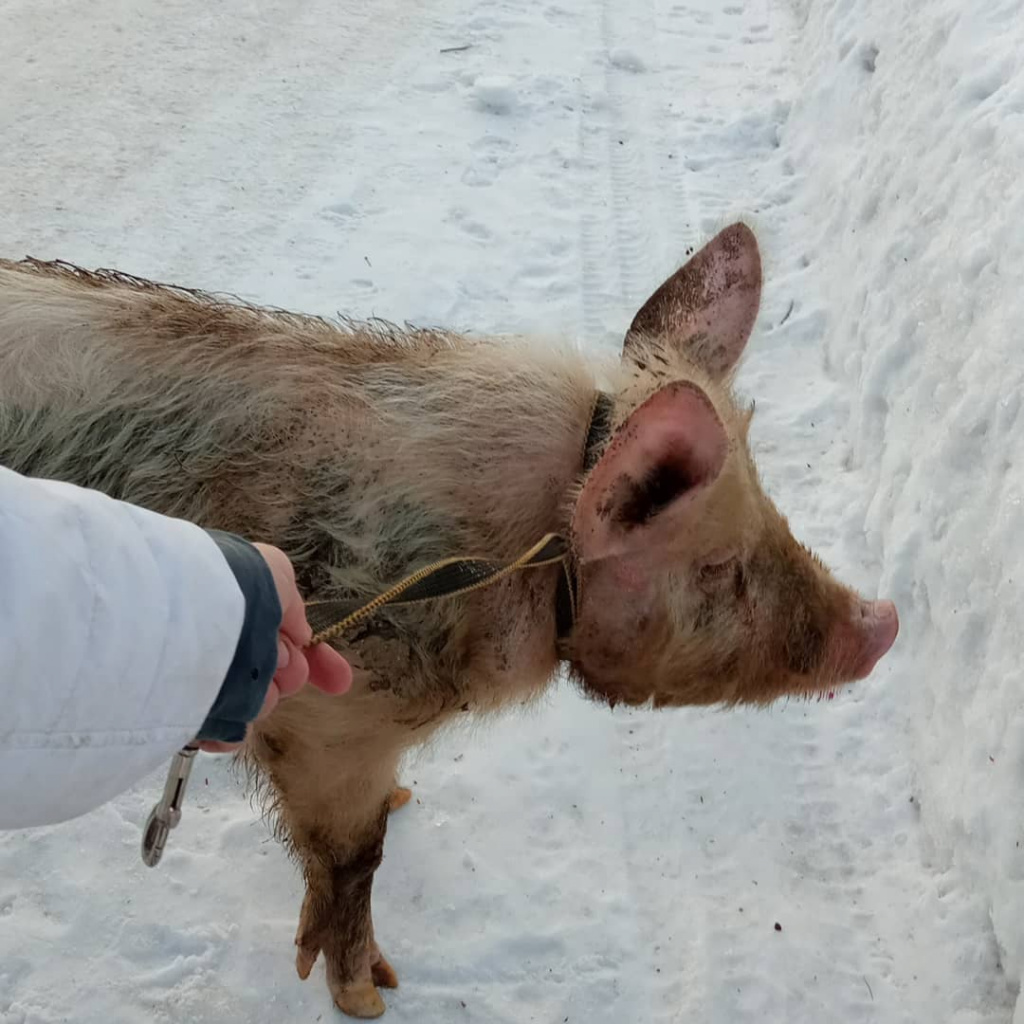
{"x": 336, "y": 919}
{"x": 332, "y": 765}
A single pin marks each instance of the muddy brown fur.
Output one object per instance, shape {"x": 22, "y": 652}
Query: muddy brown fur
{"x": 366, "y": 451}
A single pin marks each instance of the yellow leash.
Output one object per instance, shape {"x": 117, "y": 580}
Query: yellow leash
{"x": 449, "y": 577}
{"x": 329, "y": 619}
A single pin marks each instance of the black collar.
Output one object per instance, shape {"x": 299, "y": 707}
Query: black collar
{"x": 599, "y": 429}
{"x": 568, "y": 592}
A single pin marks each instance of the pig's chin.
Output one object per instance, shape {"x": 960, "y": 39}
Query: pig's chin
{"x": 699, "y": 690}
{"x": 608, "y": 690}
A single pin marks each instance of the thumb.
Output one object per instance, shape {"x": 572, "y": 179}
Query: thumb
{"x": 328, "y": 670}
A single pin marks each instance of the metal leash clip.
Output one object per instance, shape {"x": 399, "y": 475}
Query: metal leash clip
{"x": 167, "y": 813}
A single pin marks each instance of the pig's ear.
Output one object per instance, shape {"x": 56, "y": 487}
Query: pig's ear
{"x": 668, "y": 449}
{"x": 707, "y": 308}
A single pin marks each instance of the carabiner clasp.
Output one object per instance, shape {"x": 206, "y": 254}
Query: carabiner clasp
{"x": 167, "y": 812}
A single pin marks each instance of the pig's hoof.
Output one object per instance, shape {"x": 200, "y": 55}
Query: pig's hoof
{"x": 307, "y": 942}
{"x": 384, "y": 975}
{"x": 358, "y": 999}
{"x": 305, "y": 957}
{"x": 400, "y": 796}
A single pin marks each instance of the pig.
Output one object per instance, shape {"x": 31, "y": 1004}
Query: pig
{"x": 368, "y": 452}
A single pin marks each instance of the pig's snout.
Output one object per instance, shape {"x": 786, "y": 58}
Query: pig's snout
{"x": 876, "y": 629}
{"x": 859, "y": 643}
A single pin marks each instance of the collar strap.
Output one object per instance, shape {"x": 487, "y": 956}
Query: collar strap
{"x": 567, "y": 594}
{"x": 599, "y": 430}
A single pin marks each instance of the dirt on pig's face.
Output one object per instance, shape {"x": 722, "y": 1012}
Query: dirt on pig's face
{"x": 692, "y": 588}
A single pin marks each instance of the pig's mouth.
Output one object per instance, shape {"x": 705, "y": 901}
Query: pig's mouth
{"x": 849, "y": 654}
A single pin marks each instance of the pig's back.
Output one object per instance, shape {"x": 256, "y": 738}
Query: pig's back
{"x": 362, "y": 449}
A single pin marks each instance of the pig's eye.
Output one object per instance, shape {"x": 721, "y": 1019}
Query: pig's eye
{"x": 715, "y": 574}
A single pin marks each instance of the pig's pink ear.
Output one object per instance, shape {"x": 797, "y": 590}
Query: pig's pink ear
{"x": 670, "y": 446}
{"x": 707, "y": 308}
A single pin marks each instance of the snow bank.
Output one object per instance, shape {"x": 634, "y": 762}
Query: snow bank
{"x": 908, "y": 137}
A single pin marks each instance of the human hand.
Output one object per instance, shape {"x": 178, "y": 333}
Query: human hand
{"x": 320, "y": 666}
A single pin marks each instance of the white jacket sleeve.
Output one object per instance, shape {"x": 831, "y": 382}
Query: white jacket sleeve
{"x": 117, "y": 627}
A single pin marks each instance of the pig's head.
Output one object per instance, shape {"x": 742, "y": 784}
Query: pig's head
{"x": 692, "y": 588}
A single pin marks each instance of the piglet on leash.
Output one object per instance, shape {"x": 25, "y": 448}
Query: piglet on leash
{"x": 369, "y": 452}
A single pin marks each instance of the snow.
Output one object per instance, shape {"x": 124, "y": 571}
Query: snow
{"x": 495, "y": 94}
{"x": 507, "y": 166}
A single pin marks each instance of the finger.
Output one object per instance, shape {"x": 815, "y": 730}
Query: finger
{"x": 295, "y": 674}
{"x": 293, "y": 608}
{"x": 270, "y": 701}
{"x": 328, "y": 670}
{"x": 293, "y": 616}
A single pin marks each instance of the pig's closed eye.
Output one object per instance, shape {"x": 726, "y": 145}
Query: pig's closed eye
{"x": 715, "y": 574}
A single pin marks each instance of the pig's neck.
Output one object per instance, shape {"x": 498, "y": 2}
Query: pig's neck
{"x": 501, "y": 448}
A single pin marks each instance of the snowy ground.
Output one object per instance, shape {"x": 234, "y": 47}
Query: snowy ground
{"x": 506, "y": 165}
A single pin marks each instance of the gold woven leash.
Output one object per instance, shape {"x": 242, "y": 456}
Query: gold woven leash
{"x": 449, "y": 577}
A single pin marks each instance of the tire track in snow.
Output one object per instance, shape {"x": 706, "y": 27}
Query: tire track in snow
{"x": 623, "y": 255}
{"x": 707, "y": 956}
{"x": 620, "y": 250}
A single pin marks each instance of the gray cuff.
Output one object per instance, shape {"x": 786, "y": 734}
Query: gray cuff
{"x": 255, "y": 662}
